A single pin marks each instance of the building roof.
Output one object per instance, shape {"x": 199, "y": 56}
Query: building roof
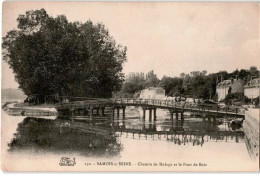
{"x": 227, "y": 83}
{"x": 253, "y": 83}
{"x": 155, "y": 88}
{"x": 224, "y": 83}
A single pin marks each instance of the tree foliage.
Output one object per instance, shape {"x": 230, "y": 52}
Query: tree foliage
{"x": 196, "y": 84}
{"x": 151, "y": 79}
{"x": 53, "y": 56}
{"x": 134, "y": 83}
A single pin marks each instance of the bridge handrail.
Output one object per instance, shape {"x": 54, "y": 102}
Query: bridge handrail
{"x": 153, "y": 102}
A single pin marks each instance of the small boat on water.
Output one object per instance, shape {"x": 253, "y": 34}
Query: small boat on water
{"x": 236, "y": 124}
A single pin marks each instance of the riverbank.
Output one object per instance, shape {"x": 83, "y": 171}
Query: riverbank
{"x": 22, "y": 109}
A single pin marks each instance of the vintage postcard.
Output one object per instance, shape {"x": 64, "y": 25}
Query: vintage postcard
{"x": 130, "y": 86}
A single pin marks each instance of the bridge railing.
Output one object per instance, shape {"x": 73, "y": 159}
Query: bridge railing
{"x": 167, "y": 103}
{"x": 149, "y": 102}
{"x": 184, "y": 105}
{"x": 83, "y": 103}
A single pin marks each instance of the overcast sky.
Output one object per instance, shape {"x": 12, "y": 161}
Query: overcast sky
{"x": 168, "y": 38}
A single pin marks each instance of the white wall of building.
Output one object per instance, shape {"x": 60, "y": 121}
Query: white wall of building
{"x": 222, "y": 93}
{"x": 153, "y": 93}
{"x": 252, "y": 92}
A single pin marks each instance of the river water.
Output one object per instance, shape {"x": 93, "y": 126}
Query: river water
{"x": 194, "y": 144}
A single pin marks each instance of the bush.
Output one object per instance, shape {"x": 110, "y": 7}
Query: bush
{"x": 231, "y": 98}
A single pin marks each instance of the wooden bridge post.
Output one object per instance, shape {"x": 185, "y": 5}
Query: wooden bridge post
{"x": 177, "y": 115}
{"x": 123, "y": 111}
{"x": 182, "y": 116}
{"x": 214, "y": 120}
{"x": 172, "y": 127}
{"x": 74, "y": 112}
{"x": 150, "y": 114}
{"x": 154, "y": 127}
{"x": 154, "y": 113}
{"x": 182, "y": 121}
{"x": 144, "y": 110}
{"x": 103, "y": 111}
{"x": 117, "y": 112}
{"x": 85, "y": 111}
{"x": 113, "y": 112}
{"x": 171, "y": 114}
{"x": 124, "y": 124}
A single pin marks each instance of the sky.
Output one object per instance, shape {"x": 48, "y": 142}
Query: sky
{"x": 169, "y": 38}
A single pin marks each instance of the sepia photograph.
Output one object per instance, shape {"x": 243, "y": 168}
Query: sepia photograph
{"x": 130, "y": 86}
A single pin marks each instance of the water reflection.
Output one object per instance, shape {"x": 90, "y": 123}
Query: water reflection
{"x": 43, "y": 135}
{"x": 96, "y": 136}
{"x": 191, "y": 130}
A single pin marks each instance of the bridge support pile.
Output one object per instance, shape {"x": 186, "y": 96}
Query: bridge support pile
{"x": 117, "y": 108}
{"x": 151, "y": 109}
{"x": 172, "y": 111}
{"x": 82, "y": 111}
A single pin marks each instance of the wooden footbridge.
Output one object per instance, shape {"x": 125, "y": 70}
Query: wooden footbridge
{"x": 96, "y": 106}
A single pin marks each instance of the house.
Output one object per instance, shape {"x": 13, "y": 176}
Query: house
{"x": 153, "y": 93}
{"x": 252, "y": 88}
{"x": 229, "y": 86}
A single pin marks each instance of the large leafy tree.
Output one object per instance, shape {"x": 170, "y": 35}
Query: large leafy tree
{"x": 53, "y": 56}
{"x": 134, "y": 82}
{"x": 172, "y": 86}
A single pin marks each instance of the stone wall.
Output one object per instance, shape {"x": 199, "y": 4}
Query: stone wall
{"x": 251, "y": 129}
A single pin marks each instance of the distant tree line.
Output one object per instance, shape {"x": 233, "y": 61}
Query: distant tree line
{"x": 196, "y": 84}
